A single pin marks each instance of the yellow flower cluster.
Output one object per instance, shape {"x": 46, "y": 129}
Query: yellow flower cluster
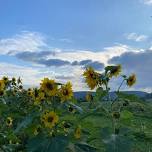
{"x": 50, "y": 88}
{"x": 95, "y": 79}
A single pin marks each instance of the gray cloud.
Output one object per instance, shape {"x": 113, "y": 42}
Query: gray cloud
{"x": 86, "y": 63}
{"x": 96, "y": 65}
{"x": 138, "y": 63}
{"x": 33, "y": 56}
{"x": 53, "y": 62}
{"x": 40, "y": 58}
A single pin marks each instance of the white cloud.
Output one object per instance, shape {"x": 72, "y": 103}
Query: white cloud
{"x": 147, "y": 2}
{"x": 101, "y": 56}
{"x": 136, "y": 37}
{"x": 25, "y": 41}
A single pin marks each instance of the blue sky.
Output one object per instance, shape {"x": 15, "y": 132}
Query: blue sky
{"x": 48, "y": 36}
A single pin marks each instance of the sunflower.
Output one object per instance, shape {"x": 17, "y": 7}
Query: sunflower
{"x": 77, "y": 133}
{"x": 115, "y": 70}
{"x": 49, "y": 87}
{"x": 50, "y": 119}
{"x": 9, "y": 121}
{"x": 91, "y": 78}
{"x": 131, "y": 80}
{"x": 2, "y": 84}
{"x": 66, "y": 92}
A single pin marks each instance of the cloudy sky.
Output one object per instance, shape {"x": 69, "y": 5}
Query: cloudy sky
{"x": 58, "y": 38}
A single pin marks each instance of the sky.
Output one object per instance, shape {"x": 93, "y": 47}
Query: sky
{"x": 59, "y": 38}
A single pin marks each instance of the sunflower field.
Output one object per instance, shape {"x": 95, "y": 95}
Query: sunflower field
{"x": 49, "y": 118}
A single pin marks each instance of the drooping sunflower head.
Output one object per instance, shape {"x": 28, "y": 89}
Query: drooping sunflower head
{"x": 77, "y": 133}
{"x": 115, "y": 70}
{"x": 131, "y": 80}
{"x": 49, "y": 87}
{"x": 91, "y": 78}
{"x": 66, "y": 92}
{"x": 50, "y": 119}
{"x": 2, "y": 84}
{"x": 9, "y": 121}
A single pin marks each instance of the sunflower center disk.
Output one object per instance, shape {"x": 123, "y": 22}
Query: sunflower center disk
{"x": 65, "y": 92}
{"x": 49, "y": 86}
{"x": 50, "y": 119}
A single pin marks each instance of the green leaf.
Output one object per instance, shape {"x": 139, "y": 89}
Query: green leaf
{"x": 118, "y": 143}
{"x": 25, "y": 122}
{"x": 42, "y": 144}
{"x": 126, "y": 114}
{"x": 115, "y": 143}
{"x": 100, "y": 93}
{"x": 84, "y": 147}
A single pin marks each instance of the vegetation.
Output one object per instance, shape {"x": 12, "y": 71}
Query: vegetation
{"x": 49, "y": 119}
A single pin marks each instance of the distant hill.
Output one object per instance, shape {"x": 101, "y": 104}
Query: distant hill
{"x": 82, "y": 94}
